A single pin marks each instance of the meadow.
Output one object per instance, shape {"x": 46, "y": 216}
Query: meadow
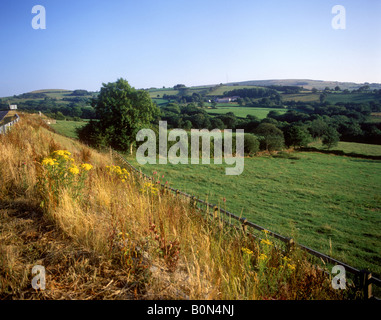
{"x": 351, "y": 147}
{"x": 330, "y": 203}
{"x": 68, "y": 128}
{"x": 219, "y": 91}
{"x": 351, "y": 97}
{"x": 302, "y": 96}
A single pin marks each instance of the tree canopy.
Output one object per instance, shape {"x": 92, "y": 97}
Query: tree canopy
{"x": 122, "y": 111}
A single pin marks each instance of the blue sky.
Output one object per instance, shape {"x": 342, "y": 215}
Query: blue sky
{"x": 163, "y": 43}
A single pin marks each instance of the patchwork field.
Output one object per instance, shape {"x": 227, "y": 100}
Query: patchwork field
{"x": 242, "y": 112}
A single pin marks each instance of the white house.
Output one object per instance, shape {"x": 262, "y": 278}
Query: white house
{"x": 227, "y": 99}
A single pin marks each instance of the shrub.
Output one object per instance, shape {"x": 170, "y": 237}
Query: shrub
{"x": 251, "y": 144}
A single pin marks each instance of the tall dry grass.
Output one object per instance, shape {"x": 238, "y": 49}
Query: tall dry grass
{"x": 147, "y": 244}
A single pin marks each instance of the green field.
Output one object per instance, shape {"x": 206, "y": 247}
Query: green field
{"x": 67, "y": 128}
{"x": 302, "y": 96}
{"x": 351, "y": 97}
{"x": 219, "y": 91}
{"x": 352, "y": 147}
{"x": 161, "y": 92}
{"x": 375, "y": 117}
{"x": 315, "y": 198}
{"x": 242, "y": 112}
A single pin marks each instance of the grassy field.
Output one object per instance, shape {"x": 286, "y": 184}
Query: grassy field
{"x": 219, "y": 91}
{"x": 303, "y": 96}
{"x": 351, "y": 97}
{"x": 330, "y": 203}
{"x": 352, "y": 147}
{"x": 261, "y": 113}
{"x": 161, "y": 92}
{"x": 67, "y": 128}
{"x": 375, "y": 117}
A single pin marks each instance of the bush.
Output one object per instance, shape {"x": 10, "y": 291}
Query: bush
{"x": 251, "y": 144}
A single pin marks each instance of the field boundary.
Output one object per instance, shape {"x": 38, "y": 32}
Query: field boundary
{"x": 366, "y": 280}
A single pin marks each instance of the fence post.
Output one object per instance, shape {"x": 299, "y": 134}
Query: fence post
{"x": 290, "y": 244}
{"x": 215, "y": 212}
{"x": 244, "y": 225}
{"x": 365, "y": 283}
{"x": 194, "y": 201}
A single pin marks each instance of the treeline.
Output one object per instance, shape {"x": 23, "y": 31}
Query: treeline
{"x": 252, "y": 93}
{"x": 73, "y": 106}
{"x": 287, "y": 89}
{"x": 296, "y": 127}
{"x": 75, "y": 109}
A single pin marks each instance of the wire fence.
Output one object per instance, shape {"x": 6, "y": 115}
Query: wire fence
{"x": 364, "y": 277}
{"x": 4, "y": 128}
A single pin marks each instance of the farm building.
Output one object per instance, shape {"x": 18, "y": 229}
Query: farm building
{"x": 227, "y": 99}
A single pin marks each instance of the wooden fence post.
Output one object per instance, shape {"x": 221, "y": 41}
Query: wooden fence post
{"x": 365, "y": 283}
{"x": 194, "y": 201}
{"x": 290, "y": 244}
{"x": 244, "y": 225}
{"x": 215, "y": 212}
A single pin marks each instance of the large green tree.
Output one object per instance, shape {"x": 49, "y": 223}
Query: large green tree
{"x": 122, "y": 111}
{"x": 331, "y": 138}
{"x": 297, "y": 136}
{"x": 272, "y": 137}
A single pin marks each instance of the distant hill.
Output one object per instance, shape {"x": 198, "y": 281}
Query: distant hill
{"x": 306, "y": 83}
{"x": 51, "y": 91}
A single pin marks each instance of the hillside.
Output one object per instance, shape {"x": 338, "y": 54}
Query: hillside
{"x": 307, "y": 84}
{"x": 103, "y": 233}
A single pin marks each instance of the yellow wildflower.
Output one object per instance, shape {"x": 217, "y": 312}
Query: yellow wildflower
{"x": 265, "y": 241}
{"x": 74, "y": 170}
{"x": 291, "y": 266}
{"x": 62, "y": 153}
{"x": 86, "y": 166}
{"x": 149, "y": 187}
{"x": 247, "y": 251}
{"x": 49, "y": 162}
{"x": 262, "y": 256}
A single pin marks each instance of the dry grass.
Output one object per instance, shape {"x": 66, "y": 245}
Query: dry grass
{"x": 124, "y": 239}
